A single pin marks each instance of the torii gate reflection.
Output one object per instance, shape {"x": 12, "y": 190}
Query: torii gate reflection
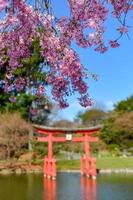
{"x": 85, "y": 135}
{"x": 50, "y": 191}
{"x": 88, "y": 189}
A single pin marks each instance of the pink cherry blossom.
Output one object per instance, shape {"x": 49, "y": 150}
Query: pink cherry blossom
{"x": 22, "y": 24}
{"x": 114, "y": 43}
{"x": 12, "y": 99}
{"x": 3, "y": 4}
{"x": 123, "y": 29}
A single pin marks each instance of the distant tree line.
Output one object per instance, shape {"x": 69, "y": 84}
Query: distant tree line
{"x": 117, "y": 131}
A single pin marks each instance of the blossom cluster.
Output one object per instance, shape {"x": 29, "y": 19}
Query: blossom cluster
{"x": 22, "y": 24}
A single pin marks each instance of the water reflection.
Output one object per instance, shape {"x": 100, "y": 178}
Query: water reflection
{"x": 50, "y": 189}
{"x": 88, "y": 189}
{"x": 66, "y": 187}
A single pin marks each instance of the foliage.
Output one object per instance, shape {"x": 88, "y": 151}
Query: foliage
{"x": 92, "y": 117}
{"x": 26, "y": 104}
{"x": 22, "y": 25}
{"x": 4, "y": 98}
{"x": 22, "y": 105}
{"x": 31, "y": 71}
{"x": 39, "y": 149}
{"x": 125, "y": 105}
{"x": 118, "y": 130}
{"x": 14, "y": 133}
{"x": 15, "y": 100}
{"x": 63, "y": 124}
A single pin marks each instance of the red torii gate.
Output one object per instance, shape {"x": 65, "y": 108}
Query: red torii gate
{"x": 50, "y": 135}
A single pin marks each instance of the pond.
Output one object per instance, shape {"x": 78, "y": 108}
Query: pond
{"x": 69, "y": 186}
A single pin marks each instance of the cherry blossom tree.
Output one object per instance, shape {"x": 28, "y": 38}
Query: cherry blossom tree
{"x": 21, "y": 24}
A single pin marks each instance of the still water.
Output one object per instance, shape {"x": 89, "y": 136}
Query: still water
{"x": 69, "y": 186}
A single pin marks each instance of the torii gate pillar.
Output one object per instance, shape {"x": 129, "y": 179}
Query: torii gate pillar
{"x": 50, "y": 161}
{"x": 88, "y": 164}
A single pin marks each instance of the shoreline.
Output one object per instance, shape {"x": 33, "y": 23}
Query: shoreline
{"x": 38, "y": 169}
{"x": 101, "y": 171}
{"x": 104, "y": 166}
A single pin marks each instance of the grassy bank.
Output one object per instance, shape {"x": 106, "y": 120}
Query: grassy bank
{"x": 115, "y": 163}
{"x": 102, "y": 163}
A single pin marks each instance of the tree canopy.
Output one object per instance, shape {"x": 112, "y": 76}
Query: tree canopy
{"x": 125, "y": 105}
{"x": 29, "y": 108}
{"x": 118, "y": 131}
{"x": 92, "y": 117}
{"x": 118, "y": 127}
{"x": 22, "y": 23}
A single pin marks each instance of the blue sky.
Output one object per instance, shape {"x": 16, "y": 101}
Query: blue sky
{"x": 114, "y": 69}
